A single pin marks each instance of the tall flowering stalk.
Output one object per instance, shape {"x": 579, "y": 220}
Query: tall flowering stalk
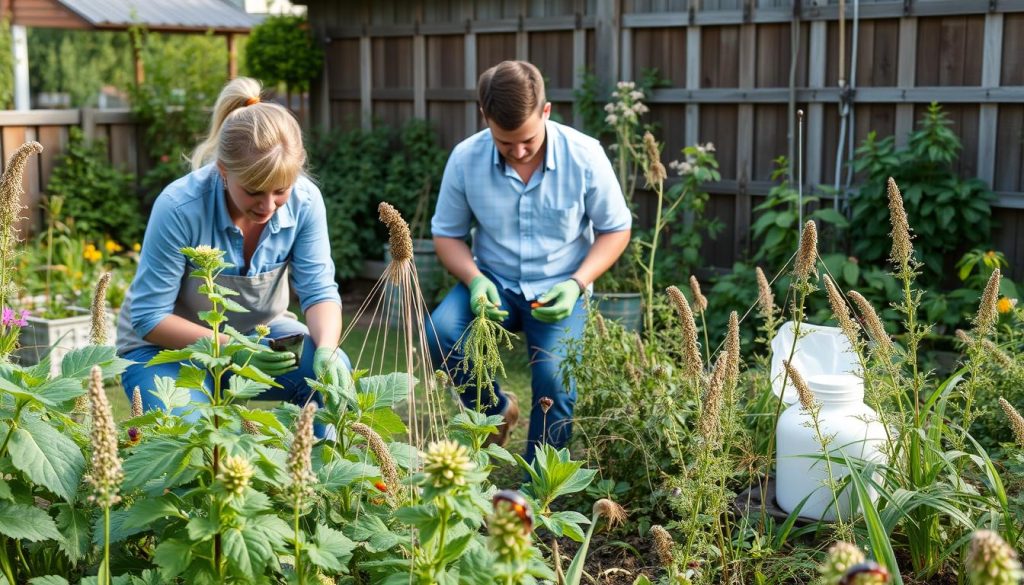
{"x": 106, "y": 474}
{"x": 98, "y": 325}
{"x": 692, "y": 363}
{"x": 700, "y": 302}
{"x": 300, "y": 469}
{"x": 10, "y": 212}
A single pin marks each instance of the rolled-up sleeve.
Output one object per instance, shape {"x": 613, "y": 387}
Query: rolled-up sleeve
{"x": 157, "y": 281}
{"x": 312, "y": 269}
{"x": 606, "y": 206}
{"x": 453, "y": 216}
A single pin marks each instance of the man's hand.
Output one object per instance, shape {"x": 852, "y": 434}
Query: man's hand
{"x": 272, "y": 363}
{"x": 485, "y": 300}
{"x": 558, "y": 302}
{"x": 328, "y": 367}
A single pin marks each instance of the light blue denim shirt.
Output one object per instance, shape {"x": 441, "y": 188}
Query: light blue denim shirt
{"x": 192, "y": 211}
{"x": 534, "y": 235}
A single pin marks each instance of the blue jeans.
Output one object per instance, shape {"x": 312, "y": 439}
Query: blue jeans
{"x": 545, "y": 342}
{"x": 293, "y": 384}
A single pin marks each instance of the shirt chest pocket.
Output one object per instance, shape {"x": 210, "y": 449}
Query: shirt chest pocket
{"x": 560, "y": 224}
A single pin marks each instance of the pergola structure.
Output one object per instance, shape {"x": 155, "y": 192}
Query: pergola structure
{"x": 173, "y": 16}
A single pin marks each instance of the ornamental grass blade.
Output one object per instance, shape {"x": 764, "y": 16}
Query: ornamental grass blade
{"x": 881, "y": 547}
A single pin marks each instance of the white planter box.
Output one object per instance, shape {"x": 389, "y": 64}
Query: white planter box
{"x": 62, "y": 335}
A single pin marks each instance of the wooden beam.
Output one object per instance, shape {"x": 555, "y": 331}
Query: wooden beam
{"x": 906, "y": 77}
{"x": 232, "y": 55}
{"x": 140, "y": 71}
{"x": 745, "y": 137}
{"x": 470, "y": 77}
{"x": 366, "y": 82}
{"x": 988, "y": 114}
{"x": 419, "y": 75}
{"x": 606, "y": 40}
{"x": 693, "y": 57}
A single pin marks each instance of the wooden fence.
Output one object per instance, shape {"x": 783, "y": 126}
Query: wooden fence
{"x": 51, "y": 128}
{"x": 728, "y": 62}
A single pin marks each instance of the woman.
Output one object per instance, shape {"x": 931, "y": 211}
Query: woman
{"x": 247, "y": 195}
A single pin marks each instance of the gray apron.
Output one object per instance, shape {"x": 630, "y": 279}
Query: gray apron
{"x": 266, "y": 295}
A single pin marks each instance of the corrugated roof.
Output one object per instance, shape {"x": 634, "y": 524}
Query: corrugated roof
{"x": 163, "y": 14}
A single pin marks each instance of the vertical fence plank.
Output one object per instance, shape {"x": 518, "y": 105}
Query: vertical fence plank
{"x": 905, "y": 77}
{"x": 745, "y": 137}
{"x": 366, "y": 81}
{"x": 988, "y": 116}
{"x": 693, "y": 61}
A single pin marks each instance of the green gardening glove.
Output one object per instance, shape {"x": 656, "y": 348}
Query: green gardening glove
{"x": 485, "y": 300}
{"x": 558, "y": 302}
{"x": 328, "y": 367}
{"x": 271, "y": 363}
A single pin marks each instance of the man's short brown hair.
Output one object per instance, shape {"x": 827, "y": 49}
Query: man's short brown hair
{"x": 510, "y": 92}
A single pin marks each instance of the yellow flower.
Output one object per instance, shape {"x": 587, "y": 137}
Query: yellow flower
{"x": 112, "y": 247}
{"x": 1005, "y": 305}
{"x": 136, "y": 247}
{"x": 92, "y": 254}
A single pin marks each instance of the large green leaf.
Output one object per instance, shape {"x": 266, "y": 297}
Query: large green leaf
{"x": 149, "y": 510}
{"x": 172, "y": 556}
{"x": 23, "y": 394}
{"x": 75, "y": 529}
{"x": 387, "y": 390}
{"x": 154, "y": 459}
{"x": 48, "y": 580}
{"x": 47, "y": 457}
{"x": 170, "y": 356}
{"x": 168, "y": 393}
{"x": 60, "y": 390}
{"x": 23, "y": 522}
{"x": 342, "y": 473}
{"x": 371, "y": 531}
{"x": 242, "y": 388}
{"x": 78, "y": 363}
{"x": 331, "y": 550}
{"x": 190, "y": 376}
{"x": 385, "y": 421}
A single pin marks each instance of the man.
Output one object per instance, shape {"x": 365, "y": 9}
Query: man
{"x": 550, "y": 218}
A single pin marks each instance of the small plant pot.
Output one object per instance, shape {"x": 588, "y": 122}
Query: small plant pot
{"x": 626, "y": 308}
{"x": 56, "y": 337}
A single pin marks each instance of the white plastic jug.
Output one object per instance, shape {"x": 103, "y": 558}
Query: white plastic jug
{"x": 855, "y": 431}
{"x": 819, "y": 350}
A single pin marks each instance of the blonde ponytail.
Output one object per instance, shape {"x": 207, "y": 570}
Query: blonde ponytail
{"x": 260, "y": 143}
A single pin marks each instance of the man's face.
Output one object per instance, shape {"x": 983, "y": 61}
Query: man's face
{"x": 521, "y": 146}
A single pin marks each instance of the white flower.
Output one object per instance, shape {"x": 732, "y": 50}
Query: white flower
{"x": 636, "y": 94}
{"x": 709, "y": 147}
{"x": 640, "y": 108}
{"x": 612, "y": 119}
{"x": 609, "y": 107}
{"x": 629, "y": 115}
{"x": 685, "y": 168}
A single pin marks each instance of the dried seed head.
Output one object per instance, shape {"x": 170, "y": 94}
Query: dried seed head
{"x": 699, "y": 300}
{"x": 694, "y": 364}
{"x": 765, "y": 296}
{"x": 1016, "y": 421}
{"x": 802, "y": 391}
{"x": 602, "y": 328}
{"x": 1001, "y": 357}
{"x": 902, "y": 250}
{"x": 963, "y": 337}
{"x": 655, "y": 170}
{"x": 663, "y": 544}
{"x": 991, "y": 561}
{"x": 732, "y": 350}
{"x": 235, "y": 474}
{"x": 398, "y": 233}
{"x": 98, "y": 327}
{"x": 388, "y": 467}
{"x": 136, "y": 402}
{"x": 632, "y": 373}
{"x": 842, "y": 312}
{"x": 841, "y": 556}
{"x": 641, "y": 351}
{"x": 250, "y": 427}
{"x": 11, "y": 188}
{"x": 709, "y": 423}
{"x": 609, "y": 510}
{"x": 988, "y": 312}
{"x": 447, "y": 464}
{"x": 872, "y": 323}
{"x": 106, "y": 474}
{"x": 545, "y": 404}
{"x": 807, "y": 255}
{"x": 300, "y": 465}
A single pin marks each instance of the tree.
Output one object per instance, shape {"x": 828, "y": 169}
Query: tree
{"x": 282, "y": 50}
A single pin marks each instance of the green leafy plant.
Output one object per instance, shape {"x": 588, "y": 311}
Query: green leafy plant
{"x": 281, "y": 49}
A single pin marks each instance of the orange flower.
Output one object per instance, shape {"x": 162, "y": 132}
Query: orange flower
{"x": 1005, "y": 305}
{"x": 380, "y": 485}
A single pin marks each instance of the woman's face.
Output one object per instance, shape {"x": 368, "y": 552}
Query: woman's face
{"x": 253, "y": 207}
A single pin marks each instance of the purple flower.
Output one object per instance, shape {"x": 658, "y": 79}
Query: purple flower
{"x": 22, "y": 319}
{"x": 8, "y": 316}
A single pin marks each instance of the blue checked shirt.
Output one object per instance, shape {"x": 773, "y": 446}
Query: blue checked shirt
{"x": 531, "y": 236}
{"x": 192, "y": 211}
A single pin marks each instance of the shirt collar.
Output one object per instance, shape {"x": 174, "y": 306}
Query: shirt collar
{"x": 284, "y": 218}
{"x": 549, "y": 151}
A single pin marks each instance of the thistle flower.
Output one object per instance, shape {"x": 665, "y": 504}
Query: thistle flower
{"x": 134, "y": 436}
{"x": 841, "y": 556}
{"x": 901, "y": 246}
{"x": 841, "y": 311}
{"x": 398, "y": 233}
{"x": 98, "y": 310}
{"x": 1016, "y": 421}
{"x": 663, "y": 544}
{"x": 802, "y": 391}
{"x": 509, "y": 527}
{"x": 447, "y": 464}
{"x": 732, "y": 350}
{"x": 765, "y": 296}
{"x": 991, "y": 561}
{"x": 709, "y": 422}
{"x": 235, "y": 474}
{"x": 136, "y": 402}
{"x": 872, "y": 323}
{"x": 610, "y": 511}
{"x": 250, "y": 427}
{"x": 655, "y": 171}
{"x": 694, "y": 364}
{"x": 388, "y": 468}
{"x": 641, "y": 351}
{"x": 106, "y": 474}
{"x": 699, "y": 300}
{"x": 300, "y": 466}
{"x": 988, "y": 311}
{"x": 206, "y": 258}
{"x": 807, "y": 255}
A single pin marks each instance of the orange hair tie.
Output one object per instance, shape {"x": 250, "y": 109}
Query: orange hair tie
{"x": 252, "y": 100}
